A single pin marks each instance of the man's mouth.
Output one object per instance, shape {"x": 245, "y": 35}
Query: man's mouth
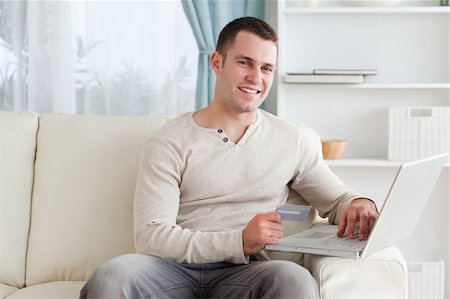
{"x": 249, "y": 90}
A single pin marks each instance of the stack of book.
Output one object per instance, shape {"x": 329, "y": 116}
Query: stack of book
{"x": 327, "y": 76}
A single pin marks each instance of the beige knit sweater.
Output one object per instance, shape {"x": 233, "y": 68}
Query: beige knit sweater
{"x": 196, "y": 190}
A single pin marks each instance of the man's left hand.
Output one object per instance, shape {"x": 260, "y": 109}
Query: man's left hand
{"x": 361, "y": 210}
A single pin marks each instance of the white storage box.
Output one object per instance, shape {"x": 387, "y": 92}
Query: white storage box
{"x": 418, "y": 132}
{"x": 426, "y": 279}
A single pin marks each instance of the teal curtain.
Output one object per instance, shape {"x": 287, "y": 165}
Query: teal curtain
{"x": 207, "y": 18}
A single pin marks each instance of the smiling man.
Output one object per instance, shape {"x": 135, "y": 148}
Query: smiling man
{"x": 245, "y": 69}
{"x": 245, "y": 78}
{"x": 209, "y": 184}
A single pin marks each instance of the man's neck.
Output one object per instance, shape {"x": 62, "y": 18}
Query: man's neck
{"x": 234, "y": 124}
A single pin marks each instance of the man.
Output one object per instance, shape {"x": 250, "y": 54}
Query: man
{"x": 209, "y": 184}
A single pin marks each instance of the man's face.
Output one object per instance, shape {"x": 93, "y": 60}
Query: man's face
{"x": 245, "y": 77}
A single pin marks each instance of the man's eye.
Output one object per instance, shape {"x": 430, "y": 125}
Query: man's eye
{"x": 267, "y": 69}
{"x": 243, "y": 62}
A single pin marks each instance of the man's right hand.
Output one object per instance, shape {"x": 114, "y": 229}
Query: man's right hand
{"x": 263, "y": 229}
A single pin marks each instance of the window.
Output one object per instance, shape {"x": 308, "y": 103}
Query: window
{"x": 129, "y": 58}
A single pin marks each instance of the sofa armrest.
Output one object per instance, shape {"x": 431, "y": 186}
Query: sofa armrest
{"x": 381, "y": 275}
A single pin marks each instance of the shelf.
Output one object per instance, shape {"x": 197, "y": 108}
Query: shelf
{"x": 408, "y": 45}
{"x": 367, "y": 10}
{"x": 374, "y": 162}
{"x": 404, "y": 85}
{"x": 382, "y": 85}
{"x": 364, "y": 162}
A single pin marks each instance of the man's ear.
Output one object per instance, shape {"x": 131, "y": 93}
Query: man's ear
{"x": 216, "y": 62}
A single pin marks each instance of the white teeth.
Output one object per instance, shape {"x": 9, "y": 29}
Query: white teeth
{"x": 248, "y": 90}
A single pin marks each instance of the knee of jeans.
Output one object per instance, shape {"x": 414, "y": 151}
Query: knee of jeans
{"x": 119, "y": 269}
{"x": 293, "y": 278}
{"x": 117, "y": 278}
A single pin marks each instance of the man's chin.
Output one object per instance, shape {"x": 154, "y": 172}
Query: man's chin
{"x": 252, "y": 107}
{"x": 249, "y": 109}
{"x": 246, "y": 106}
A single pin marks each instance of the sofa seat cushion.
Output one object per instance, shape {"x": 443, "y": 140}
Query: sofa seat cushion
{"x": 51, "y": 290}
{"x": 381, "y": 275}
{"x": 5, "y": 290}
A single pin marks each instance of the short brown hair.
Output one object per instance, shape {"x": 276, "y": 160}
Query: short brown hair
{"x": 249, "y": 24}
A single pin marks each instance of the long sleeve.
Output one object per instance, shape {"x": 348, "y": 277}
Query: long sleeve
{"x": 317, "y": 183}
{"x": 156, "y": 207}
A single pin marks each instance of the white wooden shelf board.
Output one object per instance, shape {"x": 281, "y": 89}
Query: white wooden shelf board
{"x": 384, "y": 85}
{"x": 368, "y": 162}
{"x": 367, "y": 10}
{"x": 404, "y": 85}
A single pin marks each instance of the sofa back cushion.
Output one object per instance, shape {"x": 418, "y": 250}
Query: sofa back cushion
{"x": 17, "y": 153}
{"x": 82, "y": 210}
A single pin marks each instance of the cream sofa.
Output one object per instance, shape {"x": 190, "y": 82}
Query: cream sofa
{"x": 66, "y": 197}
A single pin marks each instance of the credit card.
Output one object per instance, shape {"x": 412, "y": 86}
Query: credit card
{"x": 290, "y": 212}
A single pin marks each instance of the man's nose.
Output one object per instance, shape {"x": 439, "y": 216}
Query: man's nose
{"x": 254, "y": 76}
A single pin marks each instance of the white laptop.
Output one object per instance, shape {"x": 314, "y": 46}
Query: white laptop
{"x": 398, "y": 217}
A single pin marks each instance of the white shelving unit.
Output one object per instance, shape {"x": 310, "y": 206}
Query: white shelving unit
{"x": 408, "y": 45}
{"x": 410, "y": 48}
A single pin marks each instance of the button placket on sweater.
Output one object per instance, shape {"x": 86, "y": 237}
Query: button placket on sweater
{"x": 222, "y": 134}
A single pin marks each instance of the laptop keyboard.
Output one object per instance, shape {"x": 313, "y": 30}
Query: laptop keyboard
{"x": 344, "y": 242}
